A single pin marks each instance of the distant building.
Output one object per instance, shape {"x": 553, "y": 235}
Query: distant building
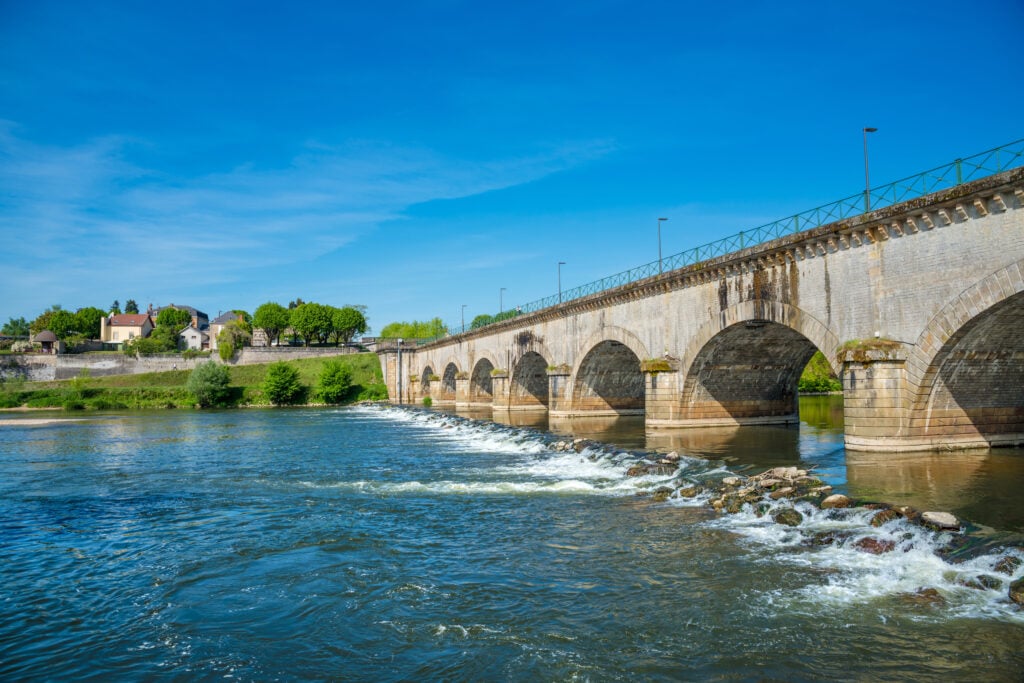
{"x": 218, "y": 323}
{"x": 200, "y": 320}
{"x": 118, "y": 329}
{"x": 192, "y": 338}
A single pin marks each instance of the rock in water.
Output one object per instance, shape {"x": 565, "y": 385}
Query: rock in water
{"x": 883, "y": 516}
{"x": 836, "y": 500}
{"x": 788, "y": 516}
{"x": 875, "y": 546}
{"x": 941, "y": 521}
{"x": 1017, "y": 591}
{"x": 1008, "y": 565}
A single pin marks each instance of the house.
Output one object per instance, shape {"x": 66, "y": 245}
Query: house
{"x": 200, "y": 320}
{"x": 194, "y": 338}
{"x": 117, "y": 329}
{"x": 218, "y": 324}
{"x": 49, "y": 342}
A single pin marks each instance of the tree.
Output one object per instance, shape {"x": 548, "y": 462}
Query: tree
{"x": 43, "y": 321}
{"x": 347, "y": 322}
{"x": 233, "y": 337}
{"x": 430, "y": 329}
{"x": 313, "y": 321}
{"x": 273, "y": 319}
{"x": 481, "y": 320}
{"x": 245, "y": 321}
{"x": 115, "y": 308}
{"x": 16, "y": 327}
{"x": 295, "y": 304}
{"x": 63, "y": 324}
{"x": 209, "y": 384}
{"x": 87, "y": 321}
{"x": 281, "y": 384}
{"x": 335, "y": 382}
{"x": 174, "y": 318}
{"x": 130, "y": 306}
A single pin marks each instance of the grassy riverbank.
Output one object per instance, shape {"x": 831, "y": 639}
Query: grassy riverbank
{"x": 167, "y": 389}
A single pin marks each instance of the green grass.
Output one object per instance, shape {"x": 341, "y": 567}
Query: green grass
{"x": 167, "y": 389}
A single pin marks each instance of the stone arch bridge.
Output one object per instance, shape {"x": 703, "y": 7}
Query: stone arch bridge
{"x": 919, "y": 307}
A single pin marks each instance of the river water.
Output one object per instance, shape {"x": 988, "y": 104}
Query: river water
{"x": 384, "y": 544}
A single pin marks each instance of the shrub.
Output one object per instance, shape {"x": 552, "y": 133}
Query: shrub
{"x": 209, "y": 384}
{"x": 226, "y": 350}
{"x": 281, "y": 384}
{"x": 427, "y": 401}
{"x": 189, "y": 354}
{"x": 335, "y": 382}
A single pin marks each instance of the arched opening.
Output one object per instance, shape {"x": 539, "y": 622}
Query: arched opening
{"x": 445, "y": 394}
{"x": 481, "y": 384}
{"x": 529, "y": 387}
{"x": 747, "y": 373}
{"x": 609, "y": 380}
{"x": 977, "y": 380}
{"x": 425, "y": 376}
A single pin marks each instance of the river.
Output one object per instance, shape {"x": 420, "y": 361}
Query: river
{"x": 382, "y": 544}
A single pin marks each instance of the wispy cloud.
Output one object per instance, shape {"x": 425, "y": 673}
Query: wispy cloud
{"x": 92, "y": 210}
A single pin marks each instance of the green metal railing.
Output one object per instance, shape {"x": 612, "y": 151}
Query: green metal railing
{"x": 943, "y": 177}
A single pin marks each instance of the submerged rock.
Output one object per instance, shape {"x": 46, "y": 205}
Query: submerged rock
{"x": 981, "y": 582}
{"x": 836, "y": 500}
{"x": 875, "y": 546}
{"x": 788, "y": 517}
{"x": 883, "y": 516}
{"x": 940, "y": 521}
{"x": 1008, "y": 565}
{"x": 1016, "y": 593}
{"x": 690, "y": 491}
{"x": 660, "y": 494}
{"x": 923, "y": 597}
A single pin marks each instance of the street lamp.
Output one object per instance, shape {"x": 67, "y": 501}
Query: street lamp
{"x": 501, "y": 301}
{"x": 463, "y": 317}
{"x": 867, "y": 178}
{"x": 659, "y": 243}
{"x": 560, "y": 264}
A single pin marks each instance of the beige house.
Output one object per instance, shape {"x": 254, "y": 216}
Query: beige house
{"x": 192, "y": 338}
{"x": 118, "y": 329}
{"x": 218, "y": 323}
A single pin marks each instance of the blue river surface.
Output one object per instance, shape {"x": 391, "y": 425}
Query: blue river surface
{"x": 385, "y": 544}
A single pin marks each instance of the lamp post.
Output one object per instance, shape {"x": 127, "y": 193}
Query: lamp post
{"x": 560, "y": 264}
{"x": 660, "y": 270}
{"x": 463, "y": 317}
{"x": 867, "y": 177}
{"x": 501, "y": 301}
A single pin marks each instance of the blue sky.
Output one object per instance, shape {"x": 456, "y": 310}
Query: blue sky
{"x": 414, "y": 157}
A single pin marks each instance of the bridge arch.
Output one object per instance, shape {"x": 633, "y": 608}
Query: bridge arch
{"x": 428, "y": 372}
{"x": 608, "y": 377}
{"x": 967, "y": 368}
{"x": 447, "y": 390}
{"x": 481, "y": 382}
{"x": 744, "y": 366}
{"x": 528, "y": 387}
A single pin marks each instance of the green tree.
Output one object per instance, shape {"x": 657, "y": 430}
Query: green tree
{"x": 115, "y": 308}
{"x": 87, "y": 321}
{"x": 209, "y": 384}
{"x": 818, "y": 377}
{"x": 16, "y": 327}
{"x": 347, "y": 322}
{"x": 174, "y": 318}
{"x": 233, "y": 337}
{"x": 273, "y": 319}
{"x": 313, "y": 321}
{"x": 281, "y": 384}
{"x": 430, "y": 329}
{"x": 63, "y": 324}
{"x": 130, "y": 306}
{"x": 481, "y": 320}
{"x": 334, "y": 383}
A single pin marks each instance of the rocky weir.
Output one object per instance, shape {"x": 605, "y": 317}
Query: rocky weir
{"x": 787, "y": 496}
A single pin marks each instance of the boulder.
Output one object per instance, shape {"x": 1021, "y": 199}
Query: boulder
{"x": 788, "y": 516}
{"x": 875, "y": 546}
{"x": 982, "y": 582}
{"x": 1016, "y": 593}
{"x": 690, "y": 491}
{"x": 836, "y": 500}
{"x": 661, "y": 494}
{"x": 940, "y": 521}
{"x": 883, "y": 516}
{"x": 732, "y": 481}
{"x": 768, "y": 483}
{"x": 784, "y": 492}
{"x": 925, "y": 597}
{"x": 673, "y": 457}
{"x": 1008, "y": 564}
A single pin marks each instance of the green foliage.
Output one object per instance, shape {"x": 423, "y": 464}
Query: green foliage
{"x": 225, "y": 349}
{"x": 174, "y": 318}
{"x": 281, "y": 385}
{"x": 231, "y": 338}
{"x": 16, "y": 327}
{"x": 335, "y": 382}
{"x": 189, "y": 354}
{"x": 346, "y": 323}
{"x": 130, "y": 306}
{"x": 115, "y": 308}
{"x": 430, "y": 329}
{"x": 273, "y": 319}
{"x": 818, "y": 377}
{"x": 427, "y": 401}
{"x": 209, "y": 384}
{"x": 87, "y": 322}
{"x": 313, "y": 321}
{"x": 481, "y": 320}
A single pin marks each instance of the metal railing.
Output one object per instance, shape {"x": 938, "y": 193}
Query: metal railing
{"x": 943, "y": 177}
